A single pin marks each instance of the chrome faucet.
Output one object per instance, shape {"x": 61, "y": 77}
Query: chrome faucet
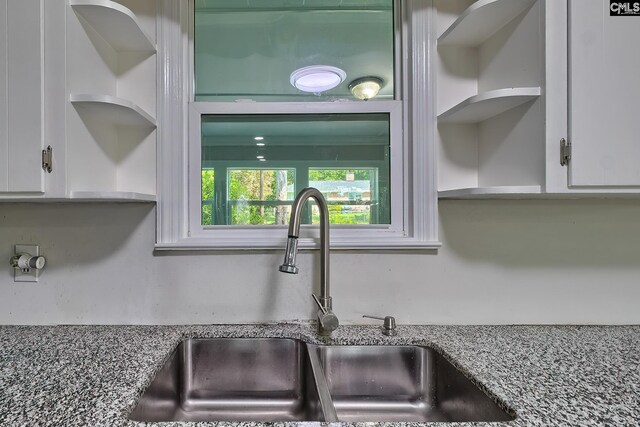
{"x": 327, "y": 320}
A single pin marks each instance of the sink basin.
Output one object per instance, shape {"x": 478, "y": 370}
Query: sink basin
{"x": 278, "y": 380}
{"x": 401, "y": 384}
{"x": 233, "y": 379}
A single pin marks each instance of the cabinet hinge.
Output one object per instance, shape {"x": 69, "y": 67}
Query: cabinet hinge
{"x": 565, "y": 152}
{"x": 47, "y": 159}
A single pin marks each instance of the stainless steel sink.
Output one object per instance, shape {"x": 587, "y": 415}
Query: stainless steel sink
{"x": 272, "y": 380}
{"x": 232, "y": 379}
{"x": 401, "y": 384}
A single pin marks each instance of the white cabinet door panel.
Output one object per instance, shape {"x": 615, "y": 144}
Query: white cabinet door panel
{"x": 604, "y": 96}
{"x": 4, "y": 141}
{"x": 22, "y": 110}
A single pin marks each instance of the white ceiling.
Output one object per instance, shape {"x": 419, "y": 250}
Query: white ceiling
{"x": 286, "y": 130}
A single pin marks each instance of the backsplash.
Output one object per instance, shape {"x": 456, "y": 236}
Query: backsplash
{"x": 502, "y": 262}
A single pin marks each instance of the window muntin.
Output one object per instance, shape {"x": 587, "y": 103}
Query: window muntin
{"x": 248, "y": 50}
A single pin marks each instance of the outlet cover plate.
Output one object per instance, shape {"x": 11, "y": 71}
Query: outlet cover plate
{"x": 31, "y": 276}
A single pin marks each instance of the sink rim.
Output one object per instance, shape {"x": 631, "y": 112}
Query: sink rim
{"x": 312, "y": 343}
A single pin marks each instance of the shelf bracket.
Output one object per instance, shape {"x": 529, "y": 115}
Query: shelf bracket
{"x": 47, "y": 159}
{"x": 565, "y": 152}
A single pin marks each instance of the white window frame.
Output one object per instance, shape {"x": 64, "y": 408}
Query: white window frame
{"x": 413, "y": 166}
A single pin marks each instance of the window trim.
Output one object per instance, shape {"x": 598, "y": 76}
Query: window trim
{"x": 176, "y": 124}
{"x": 275, "y": 236}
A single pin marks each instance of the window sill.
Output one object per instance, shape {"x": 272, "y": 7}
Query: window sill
{"x": 237, "y": 244}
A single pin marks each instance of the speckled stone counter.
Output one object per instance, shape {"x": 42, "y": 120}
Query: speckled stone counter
{"x": 550, "y": 376}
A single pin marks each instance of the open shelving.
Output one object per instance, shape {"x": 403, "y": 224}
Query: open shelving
{"x": 111, "y": 100}
{"x": 490, "y": 99}
{"x": 495, "y": 192}
{"x": 118, "y": 25}
{"x": 114, "y": 196}
{"x": 481, "y": 20}
{"x": 120, "y": 112}
{"x": 485, "y": 105}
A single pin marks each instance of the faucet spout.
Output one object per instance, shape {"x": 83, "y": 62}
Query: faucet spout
{"x": 327, "y": 321}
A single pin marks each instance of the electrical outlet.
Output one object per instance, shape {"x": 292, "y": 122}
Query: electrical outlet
{"x": 34, "y": 273}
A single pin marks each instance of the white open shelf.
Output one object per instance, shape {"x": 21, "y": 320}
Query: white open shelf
{"x": 87, "y": 197}
{"x": 115, "y": 196}
{"x": 488, "y": 104}
{"x": 118, "y": 25}
{"x": 116, "y": 110}
{"x": 481, "y": 20}
{"x": 494, "y": 192}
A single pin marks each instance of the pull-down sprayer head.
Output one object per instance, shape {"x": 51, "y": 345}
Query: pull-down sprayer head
{"x": 289, "y": 264}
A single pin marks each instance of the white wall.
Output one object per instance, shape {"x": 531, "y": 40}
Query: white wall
{"x": 564, "y": 261}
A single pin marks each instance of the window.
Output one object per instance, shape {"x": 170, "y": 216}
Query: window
{"x": 246, "y": 133}
{"x": 263, "y": 161}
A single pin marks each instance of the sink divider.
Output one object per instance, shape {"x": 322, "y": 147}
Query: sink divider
{"x": 186, "y": 373}
{"x": 326, "y": 401}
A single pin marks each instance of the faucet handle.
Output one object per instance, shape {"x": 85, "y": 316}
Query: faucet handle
{"x": 320, "y": 306}
{"x": 389, "y": 326}
{"x": 328, "y": 321}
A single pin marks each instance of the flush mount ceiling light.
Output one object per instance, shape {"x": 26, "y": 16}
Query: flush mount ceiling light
{"x": 317, "y": 78}
{"x": 365, "y": 88}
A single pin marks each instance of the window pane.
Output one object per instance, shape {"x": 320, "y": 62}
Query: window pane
{"x": 353, "y": 196}
{"x": 248, "y": 50}
{"x": 207, "y": 196}
{"x": 255, "y": 196}
{"x": 263, "y": 160}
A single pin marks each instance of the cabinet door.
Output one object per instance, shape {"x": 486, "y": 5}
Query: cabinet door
{"x": 604, "y": 96}
{"x": 21, "y": 96}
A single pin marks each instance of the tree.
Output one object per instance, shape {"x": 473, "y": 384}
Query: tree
{"x": 338, "y": 174}
{"x": 208, "y": 195}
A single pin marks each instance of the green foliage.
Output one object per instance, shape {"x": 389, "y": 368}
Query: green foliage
{"x": 337, "y": 216}
{"x": 207, "y": 195}
{"x": 245, "y": 188}
{"x": 257, "y": 185}
{"x": 337, "y": 174}
{"x": 207, "y": 184}
{"x": 251, "y": 215}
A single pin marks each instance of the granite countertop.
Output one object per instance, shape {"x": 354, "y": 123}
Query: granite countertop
{"x": 550, "y": 375}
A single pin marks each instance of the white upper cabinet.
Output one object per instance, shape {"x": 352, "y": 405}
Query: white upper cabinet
{"x": 604, "y": 96}
{"x": 21, "y": 97}
{"x": 515, "y": 78}
{"x": 83, "y": 74}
